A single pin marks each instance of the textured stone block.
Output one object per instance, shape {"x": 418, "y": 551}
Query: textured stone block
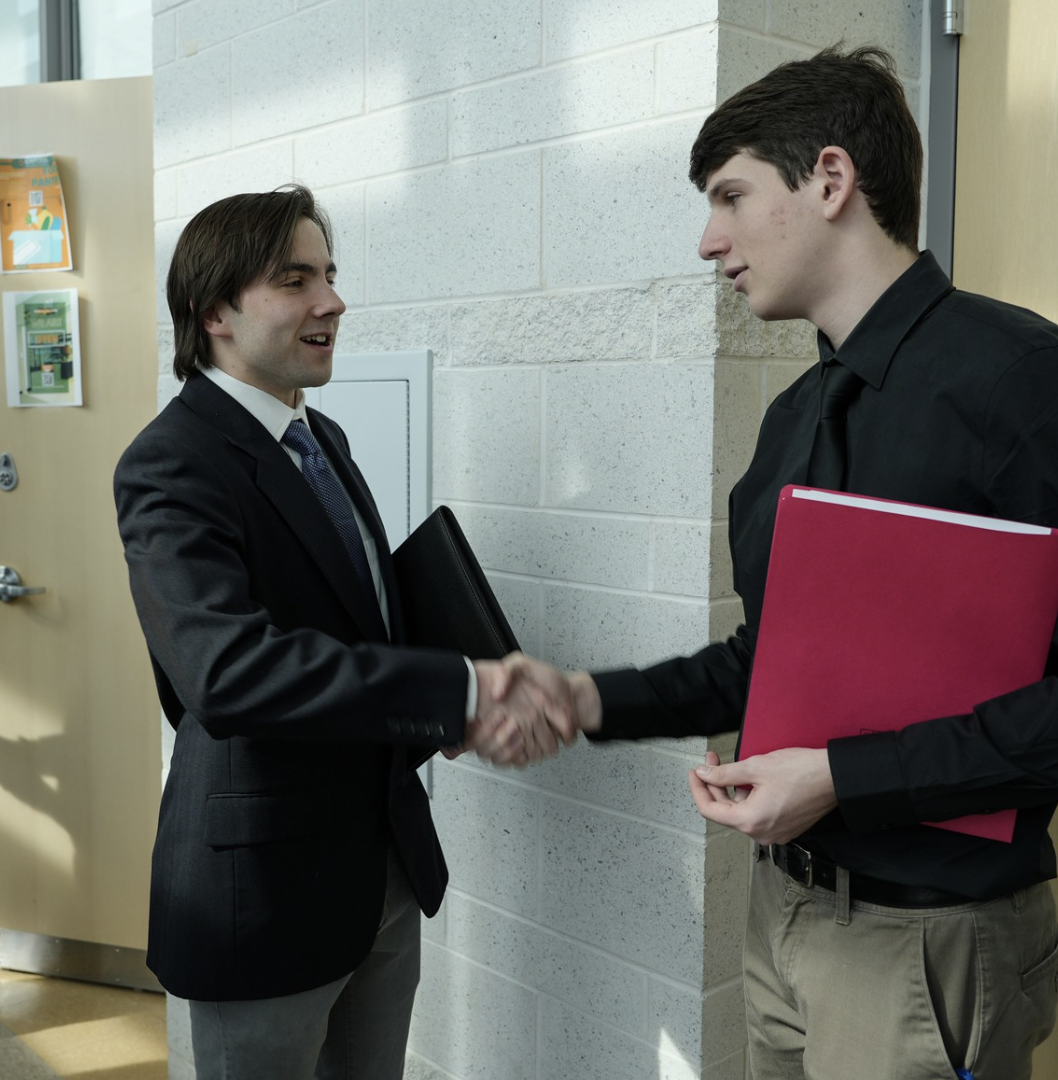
{"x": 727, "y": 856}
{"x": 630, "y": 438}
{"x": 261, "y": 168}
{"x": 670, "y": 799}
{"x": 192, "y": 107}
{"x": 593, "y": 25}
{"x": 683, "y": 560}
{"x": 687, "y": 66}
{"x": 615, "y": 776}
{"x": 687, "y": 312}
{"x": 387, "y": 329}
{"x": 346, "y": 208}
{"x": 205, "y": 23}
{"x": 738, "y": 413}
{"x": 566, "y": 100}
{"x": 465, "y": 229}
{"x": 163, "y": 40}
{"x": 723, "y": 1023}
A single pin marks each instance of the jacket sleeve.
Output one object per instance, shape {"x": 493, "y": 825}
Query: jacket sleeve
{"x": 243, "y": 631}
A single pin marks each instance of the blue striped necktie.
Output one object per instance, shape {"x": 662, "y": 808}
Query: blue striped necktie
{"x": 333, "y": 497}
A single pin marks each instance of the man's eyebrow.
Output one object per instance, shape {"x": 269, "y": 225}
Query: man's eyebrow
{"x": 303, "y": 268}
{"x": 719, "y": 186}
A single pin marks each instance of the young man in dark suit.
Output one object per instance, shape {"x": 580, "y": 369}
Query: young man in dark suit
{"x": 876, "y": 944}
{"x": 295, "y": 847}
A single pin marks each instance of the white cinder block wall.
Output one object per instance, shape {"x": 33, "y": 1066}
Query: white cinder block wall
{"x": 508, "y": 183}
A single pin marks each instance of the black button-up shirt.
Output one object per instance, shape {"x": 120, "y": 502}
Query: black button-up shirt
{"x": 960, "y": 411}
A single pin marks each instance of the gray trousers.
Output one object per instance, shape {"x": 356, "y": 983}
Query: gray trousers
{"x": 896, "y": 993}
{"x": 353, "y": 1029}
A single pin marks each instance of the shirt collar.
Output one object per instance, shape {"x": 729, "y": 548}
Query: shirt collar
{"x": 870, "y": 348}
{"x": 270, "y": 411}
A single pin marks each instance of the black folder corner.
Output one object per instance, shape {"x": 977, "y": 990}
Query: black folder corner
{"x": 446, "y": 599}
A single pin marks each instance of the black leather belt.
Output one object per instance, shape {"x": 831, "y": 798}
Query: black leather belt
{"x": 810, "y": 869}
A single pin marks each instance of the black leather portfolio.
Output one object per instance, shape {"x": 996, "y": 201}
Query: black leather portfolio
{"x": 445, "y": 597}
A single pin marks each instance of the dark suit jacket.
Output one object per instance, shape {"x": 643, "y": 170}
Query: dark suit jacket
{"x": 295, "y": 717}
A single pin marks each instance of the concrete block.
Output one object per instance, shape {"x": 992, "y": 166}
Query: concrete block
{"x": 595, "y": 629}
{"x": 683, "y": 561}
{"x": 178, "y": 1024}
{"x": 732, "y": 1068}
{"x": 417, "y": 48}
{"x": 594, "y": 25}
{"x": 599, "y": 93}
{"x": 675, "y": 1016}
{"x": 487, "y": 435}
{"x": 287, "y": 76}
{"x": 389, "y": 329}
{"x": 619, "y": 207}
{"x": 487, "y": 822}
{"x": 631, "y": 438}
{"x": 166, "y": 233}
{"x": 721, "y": 569}
{"x": 346, "y": 208}
{"x": 896, "y": 27}
{"x": 748, "y": 13}
{"x": 727, "y": 856}
{"x": 374, "y": 145}
{"x": 522, "y": 603}
{"x": 779, "y": 376}
{"x": 472, "y": 1023}
{"x": 418, "y": 1068}
{"x": 725, "y": 618}
{"x": 743, "y": 334}
{"x": 614, "y": 776}
{"x": 192, "y": 107}
{"x": 686, "y": 328}
{"x": 606, "y": 324}
{"x": 570, "y": 547}
{"x": 205, "y": 23}
{"x": 687, "y": 66}
{"x": 164, "y": 194}
{"x": 744, "y": 58}
{"x": 670, "y": 799}
{"x": 159, "y": 6}
{"x": 576, "y": 1045}
{"x": 532, "y": 955}
{"x": 723, "y": 1024}
{"x": 468, "y": 228}
{"x": 163, "y": 47}
{"x": 624, "y": 886}
{"x": 738, "y": 413}
{"x": 261, "y": 168}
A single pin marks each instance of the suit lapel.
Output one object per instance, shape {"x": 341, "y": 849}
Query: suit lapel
{"x": 280, "y": 482}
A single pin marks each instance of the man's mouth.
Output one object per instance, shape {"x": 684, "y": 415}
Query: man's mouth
{"x": 737, "y": 275}
{"x": 318, "y": 339}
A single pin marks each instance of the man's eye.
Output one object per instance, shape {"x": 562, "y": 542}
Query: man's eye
{"x": 732, "y": 197}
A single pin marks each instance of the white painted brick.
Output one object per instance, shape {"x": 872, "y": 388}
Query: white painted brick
{"x": 670, "y": 794}
{"x": 534, "y": 956}
{"x": 435, "y": 929}
{"x": 732, "y": 1068}
{"x": 721, "y": 569}
{"x": 486, "y": 435}
{"x": 158, "y": 6}
{"x": 465, "y": 229}
{"x": 676, "y": 1010}
{"x": 473, "y": 1023}
{"x": 166, "y": 234}
{"x": 178, "y": 1023}
{"x": 288, "y": 75}
{"x": 572, "y": 547}
{"x": 744, "y": 58}
{"x": 164, "y": 194}
{"x": 686, "y": 326}
{"x": 605, "y": 324}
{"x": 559, "y": 101}
{"x": 624, "y": 886}
{"x": 725, "y": 617}
{"x": 260, "y": 169}
{"x": 418, "y": 1068}
{"x": 743, "y": 334}
{"x": 488, "y": 828}
{"x": 614, "y": 776}
{"x": 821, "y": 22}
{"x": 727, "y": 856}
{"x": 574, "y": 1045}
{"x": 204, "y": 23}
{"x": 682, "y": 562}
{"x": 522, "y": 603}
{"x": 374, "y": 145}
{"x": 192, "y": 107}
{"x": 594, "y": 629}
{"x": 748, "y": 13}
{"x": 391, "y": 329}
{"x": 723, "y": 1026}
{"x": 164, "y": 40}
{"x": 687, "y": 66}
{"x": 593, "y": 25}
{"x": 419, "y": 47}
{"x": 345, "y": 208}
{"x": 629, "y": 437}
{"x": 619, "y": 207}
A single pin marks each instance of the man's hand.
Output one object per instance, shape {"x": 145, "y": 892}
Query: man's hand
{"x": 526, "y": 709}
{"x": 775, "y": 796}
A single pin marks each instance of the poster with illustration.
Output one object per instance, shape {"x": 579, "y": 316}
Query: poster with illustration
{"x": 42, "y": 348}
{"x": 34, "y": 229}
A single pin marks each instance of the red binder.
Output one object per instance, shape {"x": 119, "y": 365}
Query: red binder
{"x": 878, "y": 614}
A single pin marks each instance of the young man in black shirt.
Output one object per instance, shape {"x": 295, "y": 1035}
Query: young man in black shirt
{"x": 875, "y": 944}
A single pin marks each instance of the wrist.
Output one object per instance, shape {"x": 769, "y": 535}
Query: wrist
{"x": 586, "y": 701}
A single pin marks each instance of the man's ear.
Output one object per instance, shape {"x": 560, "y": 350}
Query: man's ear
{"x": 214, "y": 322}
{"x": 837, "y": 178}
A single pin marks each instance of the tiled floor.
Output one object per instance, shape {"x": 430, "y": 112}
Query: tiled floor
{"x": 78, "y": 1031}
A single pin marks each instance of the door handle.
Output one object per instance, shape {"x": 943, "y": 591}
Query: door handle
{"x": 11, "y": 587}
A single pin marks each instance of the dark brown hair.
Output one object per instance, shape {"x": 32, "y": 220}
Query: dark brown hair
{"x": 853, "y": 100}
{"x": 224, "y": 249}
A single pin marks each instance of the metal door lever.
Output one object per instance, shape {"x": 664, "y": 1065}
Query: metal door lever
{"x": 11, "y": 587}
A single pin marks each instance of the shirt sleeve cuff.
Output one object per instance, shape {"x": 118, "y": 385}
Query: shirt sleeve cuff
{"x": 472, "y": 690}
{"x": 869, "y": 782}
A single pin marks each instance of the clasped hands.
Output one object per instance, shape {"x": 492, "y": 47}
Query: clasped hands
{"x": 526, "y": 710}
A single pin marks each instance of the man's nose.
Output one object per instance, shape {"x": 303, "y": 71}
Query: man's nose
{"x": 712, "y": 244}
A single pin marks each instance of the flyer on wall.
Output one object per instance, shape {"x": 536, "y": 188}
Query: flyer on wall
{"x": 34, "y": 229}
{"x": 42, "y": 348}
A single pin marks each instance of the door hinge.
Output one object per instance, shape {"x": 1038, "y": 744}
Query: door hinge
{"x": 953, "y": 17}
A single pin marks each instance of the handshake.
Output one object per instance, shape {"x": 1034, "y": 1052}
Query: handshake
{"x": 526, "y": 709}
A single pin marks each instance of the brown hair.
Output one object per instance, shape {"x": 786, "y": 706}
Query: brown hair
{"x": 853, "y": 100}
{"x": 224, "y": 249}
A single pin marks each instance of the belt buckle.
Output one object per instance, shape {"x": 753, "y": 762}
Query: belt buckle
{"x": 796, "y": 861}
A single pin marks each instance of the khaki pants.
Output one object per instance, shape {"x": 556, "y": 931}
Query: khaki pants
{"x": 896, "y": 993}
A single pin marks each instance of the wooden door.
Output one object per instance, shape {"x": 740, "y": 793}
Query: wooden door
{"x": 1006, "y": 215}
{"x": 80, "y": 756}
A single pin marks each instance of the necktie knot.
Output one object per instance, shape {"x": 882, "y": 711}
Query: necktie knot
{"x": 298, "y": 437}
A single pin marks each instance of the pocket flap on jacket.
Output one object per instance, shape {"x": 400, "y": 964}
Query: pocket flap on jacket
{"x": 234, "y": 820}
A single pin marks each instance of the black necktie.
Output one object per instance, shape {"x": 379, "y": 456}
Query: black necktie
{"x": 827, "y": 464}
{"x": 334, "y": 498}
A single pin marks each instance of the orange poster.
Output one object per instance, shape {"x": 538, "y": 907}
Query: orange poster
{"x": 34, "y": 231}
